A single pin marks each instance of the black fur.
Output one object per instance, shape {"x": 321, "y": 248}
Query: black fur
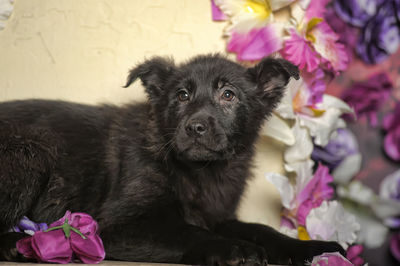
{"x": 163, "y": 179}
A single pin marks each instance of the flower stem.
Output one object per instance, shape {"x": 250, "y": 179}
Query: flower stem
{"x": 66, "y": 227}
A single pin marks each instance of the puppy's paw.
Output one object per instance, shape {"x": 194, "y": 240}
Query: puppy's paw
{"x": 225, "y": 252}
{"x": 309, "y": 249}
{"x": 8, "y": 249}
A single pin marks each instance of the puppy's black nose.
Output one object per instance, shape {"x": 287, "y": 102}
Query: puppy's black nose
{"x": 196, "y": 128}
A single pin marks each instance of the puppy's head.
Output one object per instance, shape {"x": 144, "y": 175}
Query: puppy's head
{"x": 211, "y": 108}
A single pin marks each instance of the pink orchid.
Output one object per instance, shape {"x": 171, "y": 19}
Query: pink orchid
{"x": 300, "y": 52}
{"x": 312, "y": 43}
{"x": 314, "y": 193}
{"x": 256, "y": 44}
{"x": 391, "y": 124}
{"x": 75, "y": 234}
{"x": 353, "y": 255}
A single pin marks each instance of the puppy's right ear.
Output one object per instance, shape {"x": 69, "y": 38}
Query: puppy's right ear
{"x": 153, "y": 73}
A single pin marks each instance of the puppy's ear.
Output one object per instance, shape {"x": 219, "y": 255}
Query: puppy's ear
{"x": 153, "y": 73}
{"x": 271, "y": 76}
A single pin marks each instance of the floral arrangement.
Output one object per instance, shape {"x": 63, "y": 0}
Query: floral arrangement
{"x": 322, "y": 197}
{"x": 74, "y": 235}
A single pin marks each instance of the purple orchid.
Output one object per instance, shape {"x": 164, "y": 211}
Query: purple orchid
{"x": 74, "y": 235}
{"x": 379, "y": 20}
{"x": 391, "y": 124}
{"x": 357, "y": 12}
{"x": 342, "y": 145}
{"x": 381, "y": 35}
{"x": 369, "y": 96}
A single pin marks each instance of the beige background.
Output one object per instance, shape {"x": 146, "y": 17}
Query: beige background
{"x": 81, "y": 51}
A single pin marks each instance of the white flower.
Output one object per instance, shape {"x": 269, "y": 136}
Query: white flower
{"x": 321, "y": 127}
{"x": 289, "y": 231}
{"x": 331, "y": 222}
{"x": 369, "y": 211}
{"x": 6, "y": 8}
{"x": 249, "y": 14}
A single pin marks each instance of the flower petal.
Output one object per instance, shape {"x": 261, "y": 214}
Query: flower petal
{"x": 357, "y": 12}
{"x": 298, "y": 51}
{"x": 284, "y": 187}
{"x": 84, "y": 223}
{"x": 347, "y": 169}
{"x": 326, "y": 45}
{"x": 278, "y": 129}
{"x": 52, "y": 246}
{"x": 332, "y": 222}
{"x": 302, "y": 148}
{"x": 24, "y": 246}
{"x": 323, "y": 126}
{"x": 217, "y": 14}
{"x": 89, "y": 250}
{"x": 327, "y": 259}
{"x": 257, "y": 43}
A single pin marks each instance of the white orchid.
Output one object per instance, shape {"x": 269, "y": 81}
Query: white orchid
{"x": 370, "y": 211}
{"x": 331, "y": 222}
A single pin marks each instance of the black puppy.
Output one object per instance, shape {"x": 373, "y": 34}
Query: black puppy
{"x": 163, "y": 179}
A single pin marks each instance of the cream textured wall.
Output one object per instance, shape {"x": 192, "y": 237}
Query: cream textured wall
{"x": 81, "y": 51}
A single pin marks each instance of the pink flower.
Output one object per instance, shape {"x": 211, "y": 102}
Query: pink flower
{"x": 75, "y": 234}
{"x": 328, "y": 259}
{"x": 314, "y": 193}
{"x": 353, "y": 255}
{"x": 255, "y": 44}
{"x": 369, "y": 96}
{"x": 217, "y": 14}
{"x": 391, "y": 123}
{"x": 299, "y": 51}
{"x": 395, "y": 246}
{"x": 313, "y": 44}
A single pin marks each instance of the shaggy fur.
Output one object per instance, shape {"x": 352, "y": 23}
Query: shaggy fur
{"x": 163, "y": 178}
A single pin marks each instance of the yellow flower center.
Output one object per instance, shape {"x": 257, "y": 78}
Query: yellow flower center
{"x": 303, "y": 234}
{"x": 310, "y": 26}
{"x": 261, "y": 9}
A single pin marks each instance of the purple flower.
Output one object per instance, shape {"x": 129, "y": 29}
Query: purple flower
{"x": 342, "y": 145}
{"x": 348, "y": 35}
{"x": 381, "y": 35}
{"x": 369, "y": 96}
{"x": 75, "y": 234}
{"x": 391, "y": 123}
{"x": 357, "y": 12}
{"x": 390, "y": 190}
{"x": 28, "y": 227}
{"x": 395, "y": 246}
{"x": 379, "y": 20}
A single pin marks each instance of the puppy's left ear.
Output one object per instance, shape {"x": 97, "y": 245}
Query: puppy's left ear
{"x": 271, "y": 76}
{"x": 153, "y": 73}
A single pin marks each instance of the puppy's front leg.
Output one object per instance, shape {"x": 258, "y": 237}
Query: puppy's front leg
{"x": 280, "y": 248}
{"x": 176, "y": 242}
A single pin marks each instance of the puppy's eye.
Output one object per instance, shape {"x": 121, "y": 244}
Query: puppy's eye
{"x": 182, "y": 95}
{"x": 228, "y": 95}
